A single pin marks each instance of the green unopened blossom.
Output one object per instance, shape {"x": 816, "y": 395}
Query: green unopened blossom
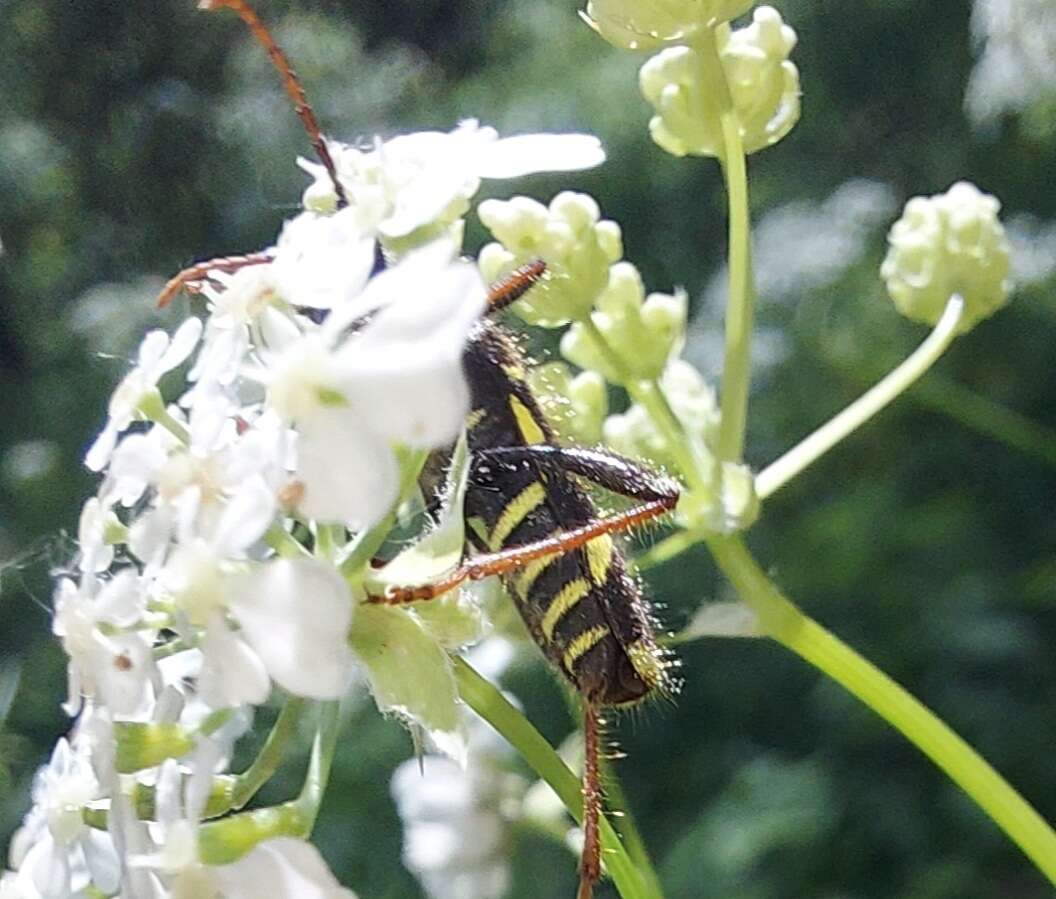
{"x": 730, "y": 504}
{"x": 644, "y": 333}
{"x": 143, "y": 745}
{"x": 575, "y": 405}
{"x": 651, "y": 24}
{"x": 946, "y": 244}
{"x": 569, "y": 235}
{"x": 634, "y": 433}
{"x": 763, "y": 82}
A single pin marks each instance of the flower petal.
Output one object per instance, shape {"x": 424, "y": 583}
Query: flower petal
{"x": 232, "y": 673}
{"x": 282, "y": 868}
{"x": 349, "y": 475}
{"x": 525, "y": 154}
{"x": 296, "y": 614}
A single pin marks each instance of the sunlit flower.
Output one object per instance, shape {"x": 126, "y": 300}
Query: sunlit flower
{"x": 651, "y": 24}
{"x": 55, "y": 852}
{"x": 416, "y": 187}
{"x": 158, "y": 354}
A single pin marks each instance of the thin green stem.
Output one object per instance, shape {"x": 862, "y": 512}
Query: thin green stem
{"x": 736, "y": 373}
{"x": 667, "y": 549}
{"x": 650, "y": 396}
{"x": 152, "y": 407}
{"x": 493, "y": 707}
{"x": 632, "y": 836}
{"x": 775, "y": 476}
{"x": 271, "y": 753}
{"x": 284, "y": 543}
{"x": 982, "y": 415}
{"x": 322, "y": 759}
{"x": 783, "y": 621}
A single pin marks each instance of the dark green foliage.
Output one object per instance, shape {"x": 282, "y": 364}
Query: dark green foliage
{"x": 137, "y": 137}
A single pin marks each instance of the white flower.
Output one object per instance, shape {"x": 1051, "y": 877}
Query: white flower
{"x": 157, "y": 355}
{"x": 1017, "y": 66}
{"x": 322, "y": 261}
{"x": 282, "y": 868}
{"x": 55, "y": 852}
{"x": 398, "y": 379}
{"x": 117, "y": 667}
{"x": 415, "y": 181}
{"x": 455, "y": 818}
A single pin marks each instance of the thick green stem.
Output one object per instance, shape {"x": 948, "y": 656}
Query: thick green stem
{"x": 493, "y": 707}
{"x": 737, "y": 361}
{"x": 783, "y": 621}
{"x": 775, "y": 476}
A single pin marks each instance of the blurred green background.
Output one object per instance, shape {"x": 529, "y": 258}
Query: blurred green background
{"x": 137, "y": 137}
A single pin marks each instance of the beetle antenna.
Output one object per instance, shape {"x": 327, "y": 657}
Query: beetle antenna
{"x": 289, "y": 81}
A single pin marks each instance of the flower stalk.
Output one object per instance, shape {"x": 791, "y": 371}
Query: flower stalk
{"x": 788, "y": 625}
{"x": 811, "y": 448}
{"x": 494, "y": 708}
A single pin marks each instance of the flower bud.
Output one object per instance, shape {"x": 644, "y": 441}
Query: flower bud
{"x": 645, "y": 333}
{"x": 144, "y": 745}
{"x": 730, "y": 505}
{"x": 633, "y": 432}
{"x": 575, "y": 406}
{"x": 651, "y": 24}
{"x": 764, "y": 86}
{"x": 577, "y": 248}
{"x": 948, "y": 244}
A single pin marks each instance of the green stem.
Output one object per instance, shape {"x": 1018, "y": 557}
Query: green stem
{"x": 667, "y": 549}
{"x": 323, "y": 749}
{"x": 493, "y": 707}
{"x": 984, "y": 416}
{"x": 270, "y": 757}
{"x": 650, "y": 396}
{"x": 284, "y": 543}
{"x": 737, "y": 361}
{"x": 783, "y": 621}
{"x": 152, "y": 407}
{"x": 771, "y": 479}
{"x": 632, "y": 836}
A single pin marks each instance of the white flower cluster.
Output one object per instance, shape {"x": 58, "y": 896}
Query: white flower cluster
{"x": 244, "y": 461}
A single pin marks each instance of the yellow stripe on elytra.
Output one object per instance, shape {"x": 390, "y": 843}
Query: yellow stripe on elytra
{"x": 582, "y": 644}
{"x": 647, "y": 662}
{"x": 517, "y": 509}
{"x": 530, "y": 429}
{"x": 528, "y": 574}
{"x": 599, "y": 558}
{"x": 562, "y": 603}
{"x": 475, "y": 418}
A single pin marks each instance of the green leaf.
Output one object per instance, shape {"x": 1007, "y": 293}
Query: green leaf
{"x": 409, "y": 672}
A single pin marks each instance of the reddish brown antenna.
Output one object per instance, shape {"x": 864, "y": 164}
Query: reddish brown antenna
{"x": 289, "y": 81}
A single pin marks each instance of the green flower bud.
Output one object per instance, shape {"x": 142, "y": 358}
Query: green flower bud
{"x": 651, "y": 24}
{"x": 144, "y": 745}
{"x": 645, "y": 333}
{"x": 633, "y": 433}
{"x": 764, "y": 86}
{"x": 948, "y": 244}
{"x": 575, "y": 406}
{"x": 577, "y": 248}
{"x": 731, "y": 505}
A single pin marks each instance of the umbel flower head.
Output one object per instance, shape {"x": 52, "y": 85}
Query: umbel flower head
{"x": 764, "y": 85}
{"x": 651, "y": 24}
{"x": 947, "y": 244}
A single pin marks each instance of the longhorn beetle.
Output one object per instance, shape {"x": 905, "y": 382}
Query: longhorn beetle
{"x": 527, "y": 519}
